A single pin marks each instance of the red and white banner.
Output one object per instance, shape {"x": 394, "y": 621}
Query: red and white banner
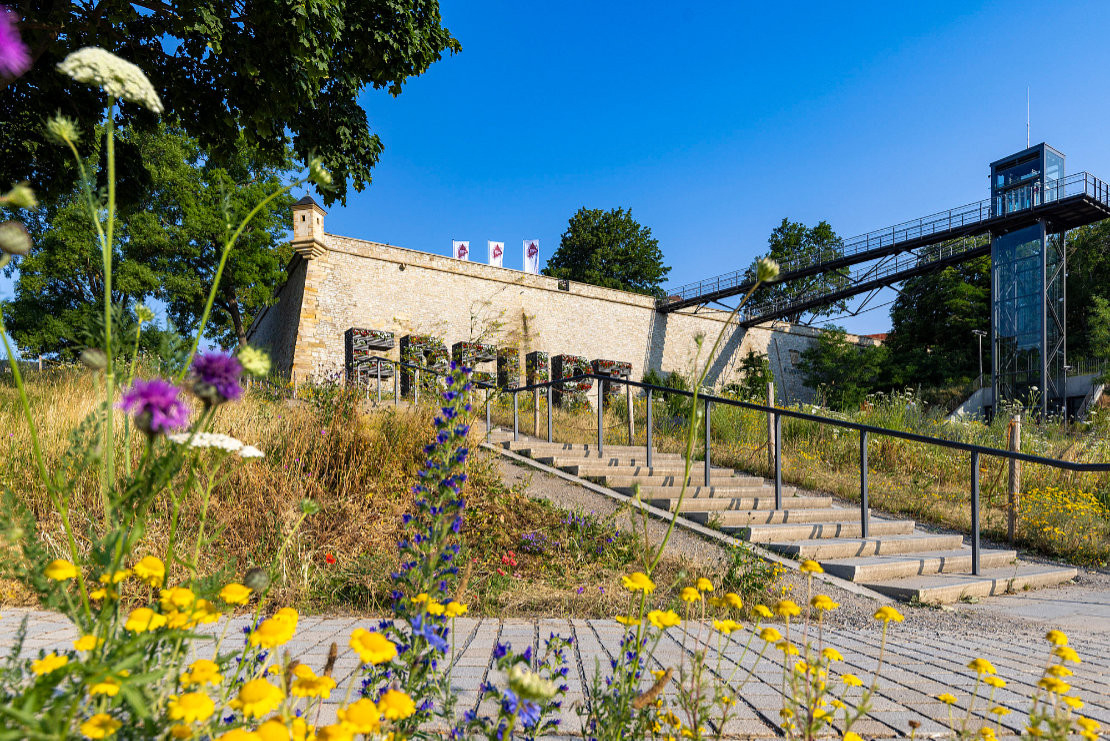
{"x": 460, "y": 250}
{"x": 496, "y": 253}
{"x": 532, "y": 256}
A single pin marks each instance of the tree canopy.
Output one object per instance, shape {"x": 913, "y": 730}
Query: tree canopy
{"x": 842, "y": 373}
{"x": 168, "y": 248}
{"x": 610, "y": 249}
{"x": 272, "y": 74}
{"x": 794, "y": 243}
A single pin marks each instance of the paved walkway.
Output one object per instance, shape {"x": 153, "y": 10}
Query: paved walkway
{"x": 919, "y": 664}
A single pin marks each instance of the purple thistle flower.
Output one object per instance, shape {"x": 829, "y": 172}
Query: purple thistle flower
{"x": 14, "y": 58}
{"x": 156, "y": 406}
{"x": 217, "y": 378}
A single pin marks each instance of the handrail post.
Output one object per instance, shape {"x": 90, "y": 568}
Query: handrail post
{"x": 975, "y": 513}
{"x": 600, "y": 416}
{"x": 550, "y": 429}
{"x": 378, "y": 363}
{"x": 489, "y": 426}
{"x": 863, "y": 513}
{"x": 778, "y": 461}
{"x": 631, "y": 414}
{"x": 396, "y": 384}
{"x": 708, "y": 465}
{"x": 416, "y": 386}
{"x": 516, "y": 419}
{"x": 647, "y": 428}
{"x": 535, "y": 412}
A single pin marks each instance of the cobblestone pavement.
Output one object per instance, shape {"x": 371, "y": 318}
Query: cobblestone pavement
{"x": 918, "y": 665}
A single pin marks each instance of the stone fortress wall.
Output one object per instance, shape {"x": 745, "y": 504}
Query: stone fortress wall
{"x": 339, "y": 282}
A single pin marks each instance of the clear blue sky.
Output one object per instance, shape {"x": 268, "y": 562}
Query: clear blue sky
{"x": 712, "y": 123}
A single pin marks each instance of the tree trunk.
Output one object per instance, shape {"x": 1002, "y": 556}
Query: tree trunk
{"x": 236, "y": 317}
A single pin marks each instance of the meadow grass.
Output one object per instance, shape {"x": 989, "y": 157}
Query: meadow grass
{"x": 1060, "y": 514}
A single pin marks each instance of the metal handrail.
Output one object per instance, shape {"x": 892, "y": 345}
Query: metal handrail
{"x": 967, "y": 215}
{"x": 777, "y": 413}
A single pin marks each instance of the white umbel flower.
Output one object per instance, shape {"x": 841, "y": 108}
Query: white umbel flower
{"x": 207, "y": 440}
{"x": 117, "y": 77}
{"x": 249, "y": 451}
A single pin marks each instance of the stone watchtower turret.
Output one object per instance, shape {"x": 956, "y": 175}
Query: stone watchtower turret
{"x": 308, "y": 228}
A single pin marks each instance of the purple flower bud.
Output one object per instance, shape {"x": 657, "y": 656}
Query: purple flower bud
{"x": 217, "y": 378}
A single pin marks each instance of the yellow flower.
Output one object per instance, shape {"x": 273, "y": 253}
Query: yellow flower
{"x": 1067, "y": 653}
{"x": 99, "y": 594}
{"x": 143, "y": 619}
{"x": 115, "y": 577}
{"x": 257, "y": 698}
{"x": 1054, "y": 685}
{"x": 361, "y": 716}
{"x": 178, "y": 619}
{"x": 180, "y": 731}
{"x": 787, "y": 648}
{"x": 787, "y": 608}
{"x": 396, "y": 705}
{"x": 627, "y": 619}
{"x": 886, "y": 613}
{"x": 151, "y": 570}
{"x": 420, "y": 598}
{"x": 1056, "y": 637}
{"x": 1072, "y": 702}
{"x": 235, "y": 594}
{"x": 334, "y": 732}
{"x": 763, "y": 611}
{"x": 999, "y": 710}
{"x": 435, "y": 608}
{"x": 732, "y": 599}
{"x": 205, "y": 612}
{"x": 1059, "y": 671}
{"x": 810, "y": 566}
{"x": 48, "y": 663}
{"x": 995, "y": 682}
{"x": 726, "y": 626}
{"x": 288, "y": 616}
{"x": 100, "y": 725}
{"x": 179, "y": 598}
{"x": 201, "y": 672}
{"x": 1088, "y": 724}
{"x": 61, "y": 570}
{"x": 87, "y": 643}
{"x": 690, "y": 594}
{"x": 664, "y": 620}
{"x": 771, "y": 635}
{"x": 851, "y": 680}
{"x": 239, "y": 734}
{"x": 272, "y": 632}
{"x": 823, "y": 602}
{"x": 191, "y": 707}
{"x": 455, "y": 609}
{"x": 638, "y": 582}
{"x": 307, "y": 684}
{"x": 981, "y": 667}
{"x": 987, "y": 733}
{"x": 108, "y": 686}
{"x": 704, "y": 585}
{"x": 372, "y": 648}
{"x": 831, "y": 654}
{"x": 947, "y": 698}
{"x": 716, "y": 601}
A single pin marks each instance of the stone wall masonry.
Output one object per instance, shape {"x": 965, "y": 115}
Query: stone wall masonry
{"x": 358, "y": 283}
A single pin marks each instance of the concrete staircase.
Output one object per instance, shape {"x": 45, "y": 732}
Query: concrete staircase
{"x": 896, "y": 558}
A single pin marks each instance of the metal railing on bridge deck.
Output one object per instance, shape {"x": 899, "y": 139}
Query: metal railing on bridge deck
{"x": 775, "y": 416}
{"x": 958, "y": 219}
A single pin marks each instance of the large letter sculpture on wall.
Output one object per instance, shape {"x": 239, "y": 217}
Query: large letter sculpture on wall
{"x": 614, "y": 368}
{"x": 426, "y": 351}
{"x": 473, "y": 353}
{"x": 359, "y": 345}
{"x": 536, "y": 367}
{"x": 571, "y": 395}
{"x": 508, "y": 367}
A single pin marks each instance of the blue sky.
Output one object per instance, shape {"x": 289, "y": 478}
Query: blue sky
{"x": 713, "y": 122}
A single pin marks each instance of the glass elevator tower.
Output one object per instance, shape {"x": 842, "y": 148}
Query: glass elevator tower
{"x": 1028, "y": 272}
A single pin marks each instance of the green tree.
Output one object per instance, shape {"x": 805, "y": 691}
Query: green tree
{"x": 755, "y": 373}
{"x": 792, "y": 243}
{"x": 610, "y": 249}
{"x": 168, "y": 248}
{"x": 842, "y": 372}
{"x": 1098, "y": 333}
{"x": 931, "y": 341}
{"x": 225, "y": 70}
{"x": 1088, "y": 279}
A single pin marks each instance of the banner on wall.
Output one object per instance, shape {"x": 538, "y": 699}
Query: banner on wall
{"x": 496, "y": 253}
{"x": 460, "y": 250}
{"x": 532, "y": 256}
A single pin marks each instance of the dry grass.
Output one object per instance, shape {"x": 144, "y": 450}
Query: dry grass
{"x": 359, "y": 467}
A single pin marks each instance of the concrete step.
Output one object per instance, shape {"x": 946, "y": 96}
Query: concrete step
{"x": 726, "y": 519}
{"x": 542, "y": 447}
{"x": 607, "y": 460}
{"x": 884, "y": 568}
{"x": 847, "y": 527}
{"x": 758, "y": 488}
{"x": 672, "y": 481}
{"x": 820, "y": 550}
{"x": 575, "y": 456}
{"x": 600, "y": 469}
{"x": 759, "y": 498}
{"x": 949, "y": 588}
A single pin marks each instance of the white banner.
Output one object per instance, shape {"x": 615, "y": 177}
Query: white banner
{"x": 496, "y": 253}
{"x": 460, "y": 250}
{"x": 532, "y": 256}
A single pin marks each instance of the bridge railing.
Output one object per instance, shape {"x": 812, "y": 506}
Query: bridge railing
{"x": 960, "y": 217}
{"x": 775, "y": 416}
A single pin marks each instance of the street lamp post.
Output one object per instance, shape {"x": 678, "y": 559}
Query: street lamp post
{"x": 1064, "y": 392}
{"x": 980, "y": 334}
